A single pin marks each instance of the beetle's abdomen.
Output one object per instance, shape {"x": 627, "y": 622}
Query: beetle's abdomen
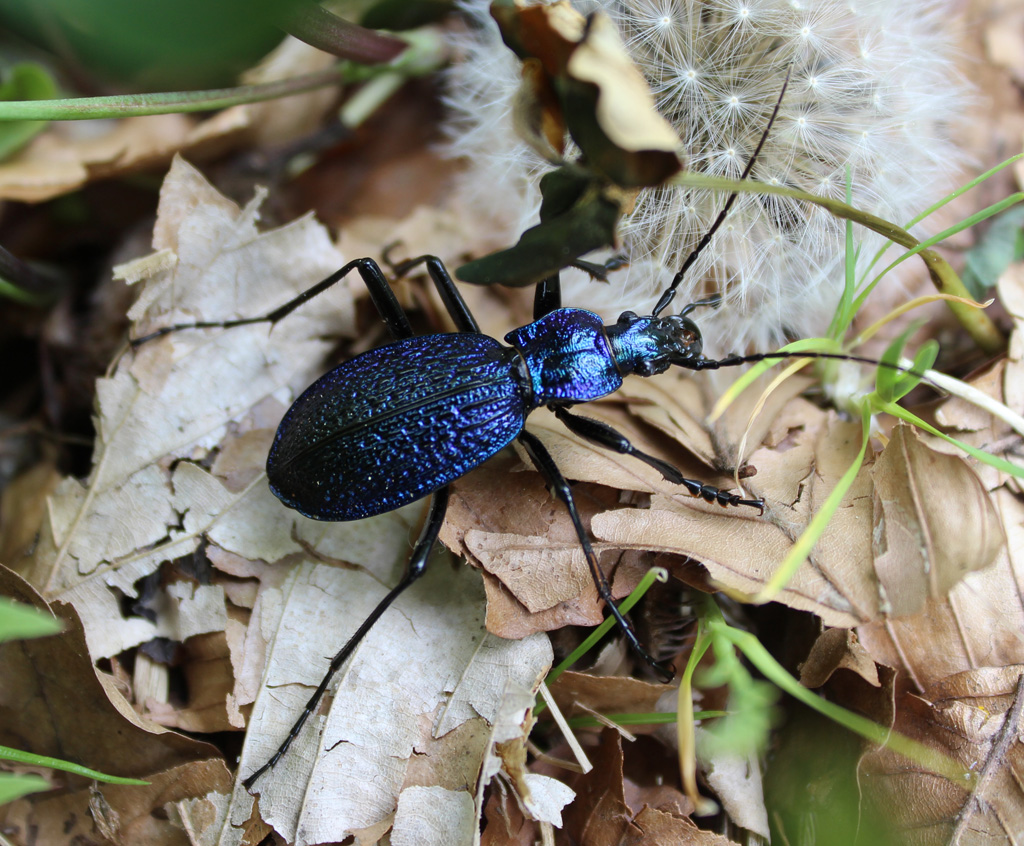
{"x": 395, "y": 424}
{"x": 568, "y": 357}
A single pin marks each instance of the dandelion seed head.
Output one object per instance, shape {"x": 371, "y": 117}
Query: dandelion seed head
{"x": 872, "y": 90}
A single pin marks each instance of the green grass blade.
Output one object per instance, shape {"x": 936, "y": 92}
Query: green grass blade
{"x": 929, "y": 758}
{"x": 14, "y": 786}
{"x": 686, "y": 727}
{"x": 751, "y": 375}
{"x": 801, "y": 550}
{"x": 925, "y": 245}
{"x": 8, "y": 754}
{"x": 923, "y": 361}
{"x": 650, "y": 577}
{"x": 965, "y": 188}
{"x": 18, "y": 620}
{"x": 995, "y": 461}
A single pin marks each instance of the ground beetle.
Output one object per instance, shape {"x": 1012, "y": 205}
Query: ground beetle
{"x": 403, "y": 421}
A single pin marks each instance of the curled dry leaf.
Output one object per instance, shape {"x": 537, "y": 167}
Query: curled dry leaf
{"x": 625, "y": 105}
{"x": 69, "y": 155}
{"x": 183, "y": 425}
{"x": 837, "y": 649}
{"x": 978, "y": 625}
{"x": 579, "y": 77}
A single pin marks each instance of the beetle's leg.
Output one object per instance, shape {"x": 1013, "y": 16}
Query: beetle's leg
{"x": 604, "y": 435}
{"x": 376, "y": 283}
{"x": 544, "y": 463}
{"x": 414, "y": 569}
{"x": 453, "y": 302}
{"x": 547, "y": 297}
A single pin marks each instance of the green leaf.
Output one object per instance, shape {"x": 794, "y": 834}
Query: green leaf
{"x": 19, "y": 621}
{"x": 586, "y": 225}
{"x": 400, "y": 15}
{"x": 25, "y": 81}
{"x": 887, "y": 376}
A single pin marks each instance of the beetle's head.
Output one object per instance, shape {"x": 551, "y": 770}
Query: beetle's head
{"x": 650, "y": 345}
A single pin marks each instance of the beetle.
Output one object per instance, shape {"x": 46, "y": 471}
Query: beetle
{"x": 402, "y": 421}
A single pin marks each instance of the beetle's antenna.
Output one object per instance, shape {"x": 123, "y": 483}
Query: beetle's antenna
{"x": 734, "y": 360}
{"x": 670, "y": 292}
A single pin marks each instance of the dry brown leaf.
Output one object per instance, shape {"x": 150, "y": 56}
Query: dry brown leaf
{"x": 506, "y": 825}
{"x": 579, "y": 76}
{"x": 69, "y": 154}
{"x": 837, "y": 649}
{"x": 208, "y": 670}
{"x": 660, "y": 827}
{"x": 541, "y": 797}
{"x": 151, "y": 814}
{"x": 975, "y": 426}
{"x": 525, "y": 528}
{"x": 175, "y": 399}
{"x": 678, "y": 405}
{"x": 625, "y": 106}
{"x": 805, "y": 453}
{"x": 432, "y": 657}
{"x": 579, "y": 692}
{"x": 741, "y": 550}
{"x": 979, "y": 624}
{"x": 601, "y": 816}
{"x": 933, "y": 523}
{"x": 975, "y": 718}
{"x": 51, "y": 690}
{"x": 433, "y": 815}
{"x": 22, "y": 509}
{"x": 452, "y": 760}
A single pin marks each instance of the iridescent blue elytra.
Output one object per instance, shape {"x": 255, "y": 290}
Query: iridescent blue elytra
{"x": 396, "y": 423}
